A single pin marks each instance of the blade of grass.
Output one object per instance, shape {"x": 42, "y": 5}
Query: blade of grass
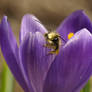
{"x": 6, "y": 80}
{"x": 87, "y": 87}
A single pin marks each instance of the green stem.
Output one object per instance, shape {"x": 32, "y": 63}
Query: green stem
{"x": 6, "y": 80}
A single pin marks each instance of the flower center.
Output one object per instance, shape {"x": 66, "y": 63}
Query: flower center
{"x": 70, "y": 35}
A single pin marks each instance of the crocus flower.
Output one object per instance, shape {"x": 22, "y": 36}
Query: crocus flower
{"x": 35, "y": 71}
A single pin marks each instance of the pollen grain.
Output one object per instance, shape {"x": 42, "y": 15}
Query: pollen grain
{"x": 70, "y": 35}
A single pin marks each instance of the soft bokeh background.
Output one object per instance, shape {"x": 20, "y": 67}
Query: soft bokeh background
{"x": 50, "y": 12}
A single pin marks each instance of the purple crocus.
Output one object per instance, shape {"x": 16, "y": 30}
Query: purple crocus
{"x": 68, "y": 71}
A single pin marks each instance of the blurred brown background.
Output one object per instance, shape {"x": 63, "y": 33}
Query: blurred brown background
{"x": 50, "y": 12}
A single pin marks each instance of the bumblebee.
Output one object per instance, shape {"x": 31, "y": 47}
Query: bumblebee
{"x": 53, "y": 41}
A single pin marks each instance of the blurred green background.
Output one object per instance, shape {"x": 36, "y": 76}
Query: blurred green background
{"x": 50, "y": 12}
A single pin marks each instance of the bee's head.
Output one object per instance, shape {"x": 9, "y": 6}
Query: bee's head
{"x": 52, "y": 37}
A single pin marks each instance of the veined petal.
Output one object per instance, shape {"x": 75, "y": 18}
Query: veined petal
{"x": 31, "y": 24}
{"x": 10, "y": 51}
{"x": 73, "y": 66}
{"x": 35, "y": 60}
{"x": 76, "y": 21}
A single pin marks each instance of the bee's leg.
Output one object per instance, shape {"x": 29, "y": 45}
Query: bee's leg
{"x": 57, "y": 51}
{"x": 49, "y": 46}
{"x": 54, "y": 52}
{"x": 46, "y": 45}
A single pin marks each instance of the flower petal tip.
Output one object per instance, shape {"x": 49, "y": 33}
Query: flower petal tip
{"x": 4, "y": 19}
{"x": 30, "y": 17}
{"x": 85, "y": 30}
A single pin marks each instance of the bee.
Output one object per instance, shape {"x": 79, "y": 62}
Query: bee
{"x": 53, "y": 41}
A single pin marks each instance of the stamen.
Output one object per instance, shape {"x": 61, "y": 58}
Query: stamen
{"x": 70, "y": 35}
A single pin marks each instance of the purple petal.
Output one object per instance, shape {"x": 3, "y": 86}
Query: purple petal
{"x": 35, "y": 60}
{"x": 76, "y": 21}
{"x": 31, "y": 24}
{"x": 73, "y": 66}
{"x": 10, "y": 51}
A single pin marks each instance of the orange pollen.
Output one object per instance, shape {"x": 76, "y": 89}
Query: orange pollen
{"x": 70, "y": 35}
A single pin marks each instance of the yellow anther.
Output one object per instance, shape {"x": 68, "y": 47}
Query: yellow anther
{"x": 70, "y": 35}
